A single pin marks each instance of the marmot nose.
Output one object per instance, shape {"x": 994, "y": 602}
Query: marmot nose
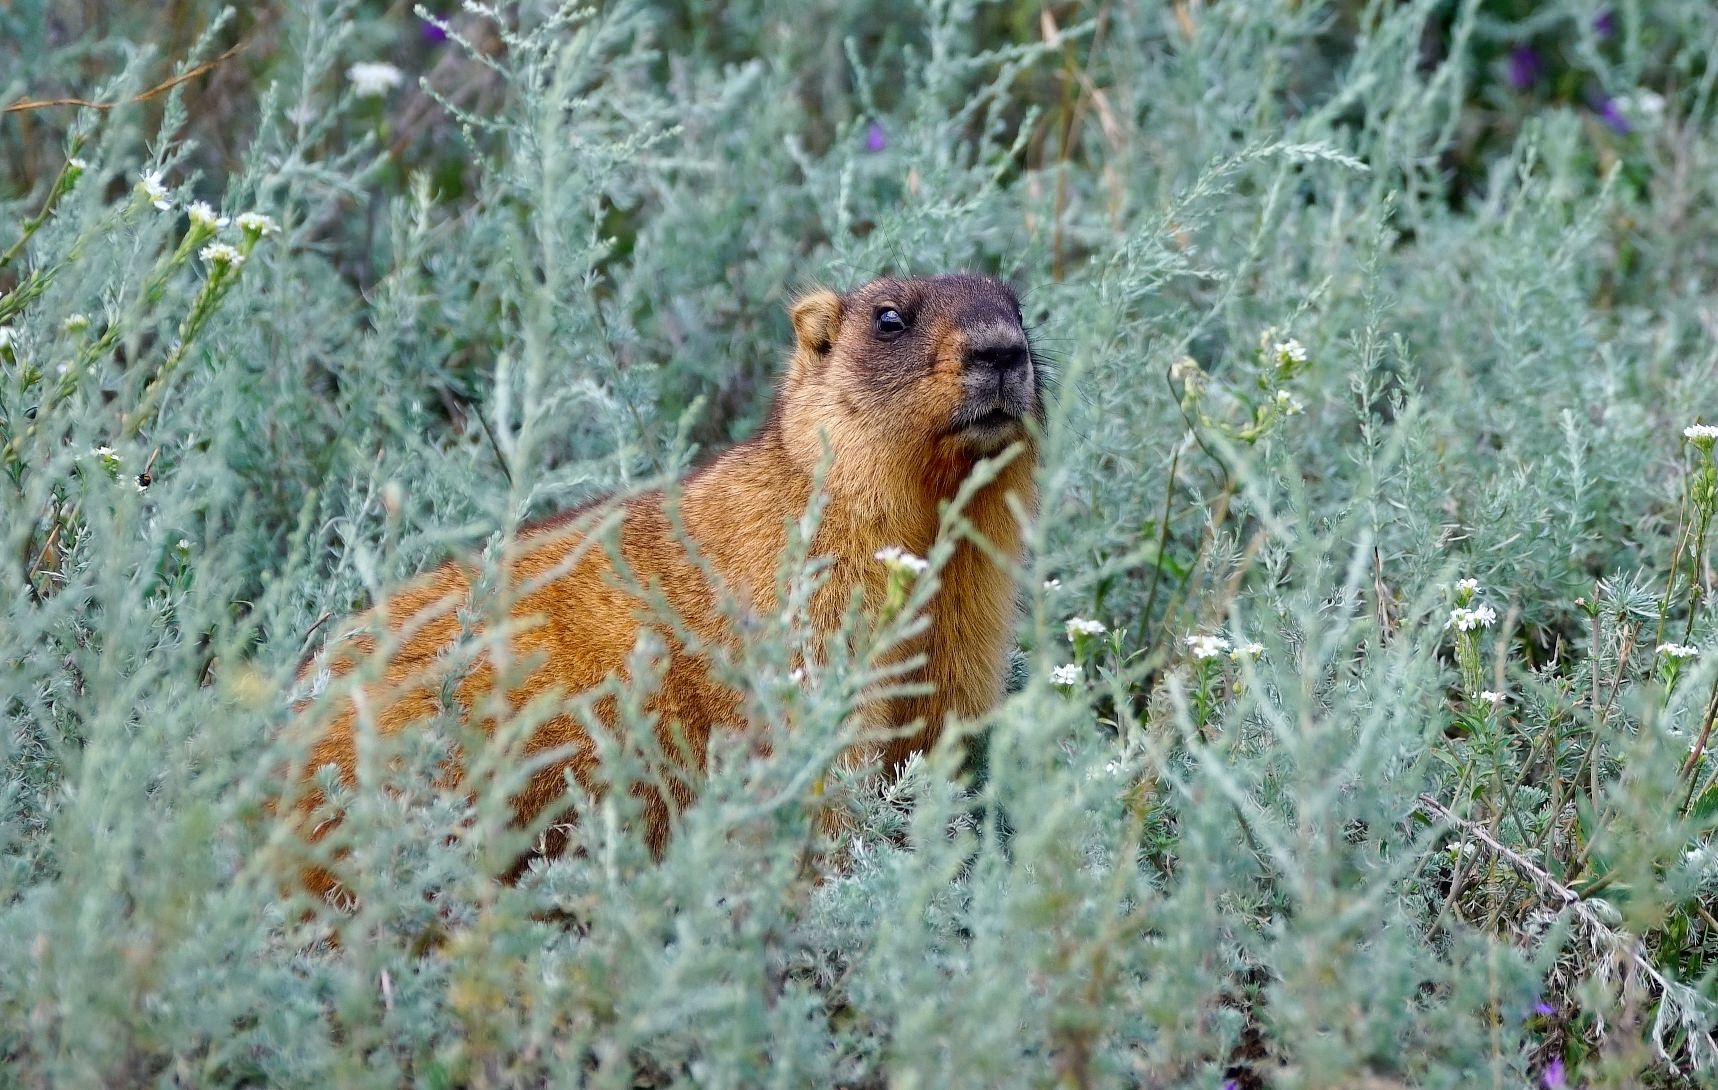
{"x": 998, "y": 353}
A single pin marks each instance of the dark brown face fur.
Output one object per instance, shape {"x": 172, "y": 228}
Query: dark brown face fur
{"x": 946, "y": 357}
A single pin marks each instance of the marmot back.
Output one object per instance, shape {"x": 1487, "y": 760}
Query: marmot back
{"x": 899, "y": 388}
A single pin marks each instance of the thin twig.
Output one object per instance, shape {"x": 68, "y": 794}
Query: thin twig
{"x": 304, "y": 644}
{"x": 158, "y": 89}
{"x": 1622, "y": 942}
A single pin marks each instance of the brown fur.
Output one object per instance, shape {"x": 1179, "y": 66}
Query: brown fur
{"x": 886, "y": 412}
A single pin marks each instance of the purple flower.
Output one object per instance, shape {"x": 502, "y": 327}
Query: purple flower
{"x": 1553, "y": 1076}
{"x": 1544, "y": 1008}
{"x": 1231, "y": 1084}
{"x": 1524, "y": 67}
{"x": 1612, "y": 116}
{"x": 433, "y": 33}
{"x": 1605, "y": 23}
{"x": 875, "y": 140}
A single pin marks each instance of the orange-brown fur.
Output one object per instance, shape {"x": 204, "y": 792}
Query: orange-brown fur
{"x": 876, "y": 411}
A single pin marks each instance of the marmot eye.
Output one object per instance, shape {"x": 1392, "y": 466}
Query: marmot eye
{"x": 889, "y": 321}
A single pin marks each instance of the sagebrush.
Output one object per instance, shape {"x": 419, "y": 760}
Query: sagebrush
{"x": 1367, "y": 672}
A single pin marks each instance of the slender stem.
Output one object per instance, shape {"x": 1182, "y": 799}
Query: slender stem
{"x": 1162, "y": 536}
{"x": 1699, "y": 748}
{"x": 60, "y": 187}
{"x": 1694, "y": 576}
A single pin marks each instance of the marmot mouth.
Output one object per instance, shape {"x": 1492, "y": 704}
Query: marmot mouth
{"x": 995, "y": 418}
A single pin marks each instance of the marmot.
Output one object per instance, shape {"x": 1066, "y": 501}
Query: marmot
{"x": 895, "y": 390}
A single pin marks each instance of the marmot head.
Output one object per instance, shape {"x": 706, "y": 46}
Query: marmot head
{"x": 933, "y": 367}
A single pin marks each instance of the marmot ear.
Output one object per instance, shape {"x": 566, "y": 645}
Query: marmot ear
{"x": 816, "y": 320}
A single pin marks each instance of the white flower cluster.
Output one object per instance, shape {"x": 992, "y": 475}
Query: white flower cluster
{"x": 1080, "y": 626}
{"x": 220, "y": 253}
{"x": 1067, "y": 674}
{"x": 373, "y": 79}
{"x": 203, "y": 216}
{"x": 1289, "y": 351}
{"x": 1701, "y": 432}
{"x": 1252, "y": 649}
{"x": 255, "y": 223}
{"x": 1469, "y": 587}
{"x": 1207, "y": 647}
{"x": 1493, "y": 697}
{"x": 206, "y": 220}
{"x": 1466, "y": 620}
{"x": 1678, "y": 651}
{"x": 1288, "y": 404}
{"x": 898, "y": 559}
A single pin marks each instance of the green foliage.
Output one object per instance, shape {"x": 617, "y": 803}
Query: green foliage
{"x": 1349, "y": 303}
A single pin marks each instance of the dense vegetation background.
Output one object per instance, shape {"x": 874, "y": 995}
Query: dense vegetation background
{"x": 1352, "y": 303}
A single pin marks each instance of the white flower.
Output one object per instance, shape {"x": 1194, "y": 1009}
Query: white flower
{"x": 1289, "y": 351}
{"x": 219, "y": 253}
{"x": 1080, "y": 626}
{"x": 1067, "y": 674}
{"x": 1288, "y": 404}
{"x": 75, "y": 323}
{"x": 183, "y": 545}
{"x": 204, "y": 216}
{"x": 1644, "y": 104}
{"x": 1466, "y": 620}
{"x": 1492, "y": 697}
{"x": 1467, "y": 586}
{"x": 896, "y": 558}
{"x": 1701, "y": 432}
{"x": 373, "y": 79}
{"x": 154, "y": 190}
{"x": 1702, "y": 861}
{"x": 255, "y": 223}
{"x": 8, "y": 336}
{"x": 1252, "y": 649}
{"x": 1052, "y": 585}
{"x": 1110, "y": 770}
{"x": 1207, "y": 647}
{"x": 108, "y": 456}
{"x": 77, "y": 164}
{"x": 1678, "y": 651}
